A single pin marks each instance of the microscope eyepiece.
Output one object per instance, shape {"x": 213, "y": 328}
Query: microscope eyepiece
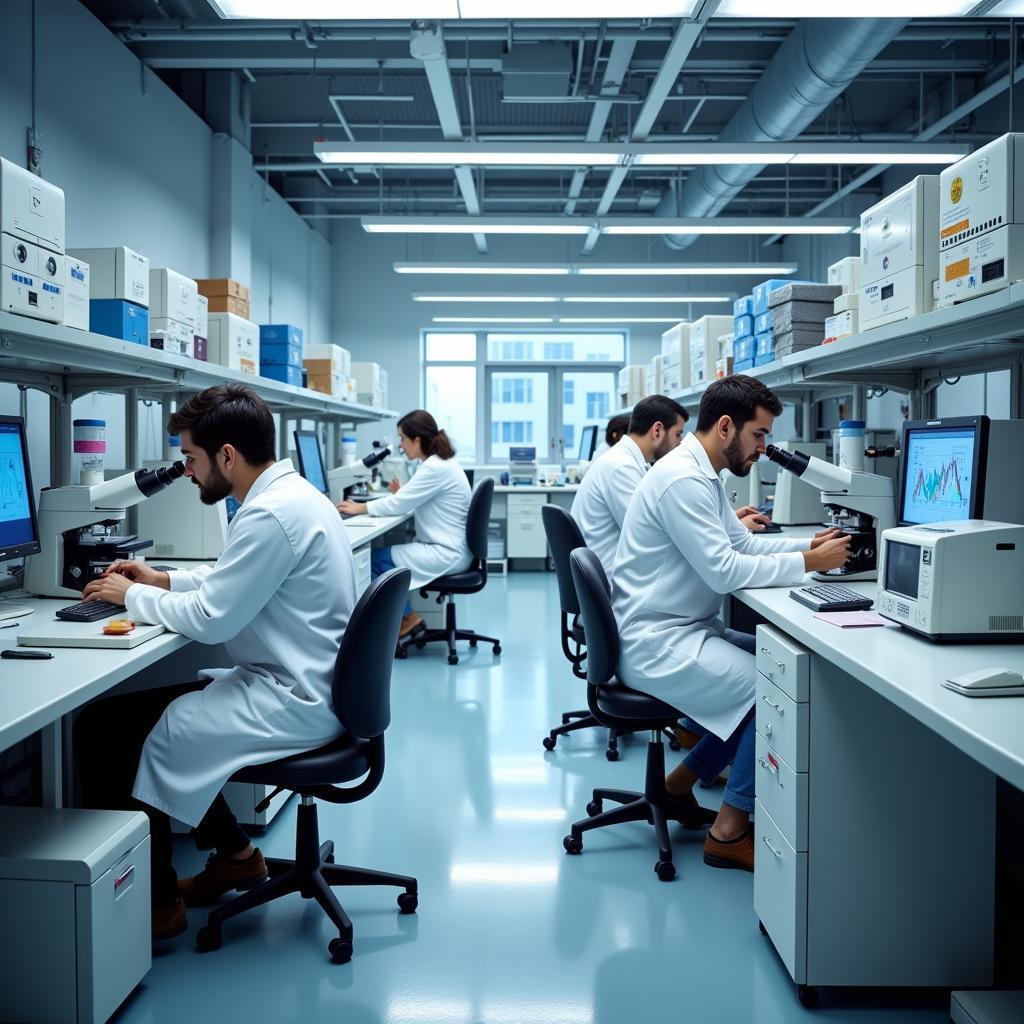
{"x": 376, "y": 457}
{"x": 150, "y": 481}
{"x": 793, "y": 462}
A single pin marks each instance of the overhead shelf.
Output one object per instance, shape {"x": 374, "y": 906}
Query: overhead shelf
{"x": 63, "y": 360}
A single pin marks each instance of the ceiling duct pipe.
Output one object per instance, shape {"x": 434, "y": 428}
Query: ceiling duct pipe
{"x": 814, "y": 65}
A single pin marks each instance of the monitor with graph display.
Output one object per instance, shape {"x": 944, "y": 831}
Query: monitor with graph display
{"x": 19, "y": 532}
{"x": 943, "y": 465}
{"x": 311, "y": 462}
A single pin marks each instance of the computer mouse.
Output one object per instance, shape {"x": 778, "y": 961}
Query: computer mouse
{"x": 988, "y": 679}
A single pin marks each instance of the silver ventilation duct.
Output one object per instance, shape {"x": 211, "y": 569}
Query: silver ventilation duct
{"x": 814, "y": 65}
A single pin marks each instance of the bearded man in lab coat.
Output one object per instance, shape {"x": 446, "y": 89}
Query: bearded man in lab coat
{"x": 681, "y": 551}
{"x": 279, "y": 598}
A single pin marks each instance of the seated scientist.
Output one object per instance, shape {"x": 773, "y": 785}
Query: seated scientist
{"x": 613, "y": 433}
{"x": 682, "y": 550}
{"x": 438, "y": 495}
{"x": 279, "y": 598}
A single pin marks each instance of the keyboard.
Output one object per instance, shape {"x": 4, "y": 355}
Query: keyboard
{"x": 162, "y": 568}
{"x": 828, "y": 597}
{"x": 89, "y": 611}
{"x": 769, "y": 528}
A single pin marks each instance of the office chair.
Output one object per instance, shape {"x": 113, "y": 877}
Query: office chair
{"x": 361, "y": 691}
{"x": 469, "y": 581}
{"x": 616, "y": 706}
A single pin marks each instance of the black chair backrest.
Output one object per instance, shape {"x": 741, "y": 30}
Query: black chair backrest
{"x": 564, "y": 537}
{"x": 602, "y": 631}
{"x": 478, "y": 517}
{"x": 361, "y": 688}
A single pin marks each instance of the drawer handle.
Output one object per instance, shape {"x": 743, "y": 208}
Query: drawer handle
{"x": 778, "y": 853}
{"x": 778, "y": 664}
{"x": 775, "y": 707}
{"x": 771, "y": 765}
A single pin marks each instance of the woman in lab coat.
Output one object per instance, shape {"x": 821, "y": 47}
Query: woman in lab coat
{"x": 438, "y": 496}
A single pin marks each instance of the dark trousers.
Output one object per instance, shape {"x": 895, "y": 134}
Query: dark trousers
{"x": 109, "y": 736}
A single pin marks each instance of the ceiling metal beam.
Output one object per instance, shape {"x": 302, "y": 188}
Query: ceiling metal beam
{"x": 679, "y": 50}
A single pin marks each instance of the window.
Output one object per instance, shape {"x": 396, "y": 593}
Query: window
{"x": 597, "y": 405}
{"x": 569, "y": 437}
{"x": 593, "y": 393}
{"x": 551, "y": 347}
{"x": 449, "y": 348}
{"x": 510, "y": 349}
{"x": 450, "y": 375}
{"x": 511, "y": 432}
{"x": 558, "y": 350}
{"x": 568, "y": 384}
{"x": 512, "y": 391}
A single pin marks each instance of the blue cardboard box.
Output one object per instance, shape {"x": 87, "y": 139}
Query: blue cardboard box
{"x": 280, "y": 371}
{"x": 742, "y": 326}
{"x": 764, "y": 344}
{"x": 769, "y": 357}
{"x": 280, "y": 334}
{"x": 743, "y": 307}
{"x": 739, "y": 365}
{"x": 742, "y": 351}
{"x": 763, "y": 323}
{"x": 279, "y": 354}
{"x": 119, "y": 319}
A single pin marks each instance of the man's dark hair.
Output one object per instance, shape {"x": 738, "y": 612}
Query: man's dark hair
{"x": 655, "y": 409}
{"x": 228, "y": 414}
{"x": 737, "y": 397}
{"x": 617, "y": 426}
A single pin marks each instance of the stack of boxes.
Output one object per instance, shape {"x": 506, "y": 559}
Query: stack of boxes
{"x": 281, "y": 353}
{"x": 233, "y": 340}
{"x": 172, "y": 308}
{"x": 631, "y": 384}
{"x": 763, "y": 348}
{"x": 202, "y": 327}
{"x": 653, "y": 378}
{"x": 798, "y": 314}
{"x": 704, "y": 335}
{"x": 118, "y": 292}
{"x": 846, "y": 275}
{"x": 371, "y": 384}
{"x": 225, "y": 296}
{"x": 675, "y": 360}
{"x": 899, "y": 254}
{"x": 328, "y": 370}
{"x": 742, "y": 336}
{"x": 981, "y": 221}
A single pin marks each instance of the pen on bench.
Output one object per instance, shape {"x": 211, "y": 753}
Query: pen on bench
{"x": 9, "y": 625}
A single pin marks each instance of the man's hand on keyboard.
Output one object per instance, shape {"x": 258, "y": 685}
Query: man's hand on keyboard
{"x": 110, "y": 587}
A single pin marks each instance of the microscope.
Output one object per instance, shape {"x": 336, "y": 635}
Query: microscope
{"x": 353, "y": 481}
{"x": 71, "y": 553}
{"x": 860, "y": 504}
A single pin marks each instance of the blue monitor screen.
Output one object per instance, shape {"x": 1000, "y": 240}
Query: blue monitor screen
{"x": 588, "y": 442}
{"x": 938, "y": 480}
{"x": 311, "y": 465}
{"x": 17, "y": 511}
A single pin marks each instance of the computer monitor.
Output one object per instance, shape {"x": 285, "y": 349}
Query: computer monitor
{"x": 19, "y": 530}
{"x": 943, "y": 465}
{"x": 588, "y": 442}
{"x": 311, "y": 460}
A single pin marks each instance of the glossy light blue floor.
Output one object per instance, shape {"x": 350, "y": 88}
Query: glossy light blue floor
{"x": 510, "y": 930}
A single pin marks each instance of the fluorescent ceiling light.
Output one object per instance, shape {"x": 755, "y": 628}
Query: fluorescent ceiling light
{"x": 727, "y": 226}
{"x": 618, "y": 320}
{"x": 449, "y": 10}
{"x": 484, "y": 298}
{"x": 762, "y": 270}
{"x": 865, "y": 9}
{"x": 611, "y": 154}
{"x": 476, "y": 225}
{"x": 493, "y": 320}
{"x": 647, "y": 298}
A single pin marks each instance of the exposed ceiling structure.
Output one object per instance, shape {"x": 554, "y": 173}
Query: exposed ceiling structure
{"x": 639, "y": 82}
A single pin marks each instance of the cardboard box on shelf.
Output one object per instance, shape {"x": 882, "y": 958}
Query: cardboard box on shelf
{"x": 119, "y": 319}
{"x": 671, "y": 377}
{"x": 171, "y": 336}
{"x": 631, "y": 384}
{"x": 848, "y": 300}
{"x": 234, "y": 342}
{"x": 172, "y": 296}
{"x": 675, "y": 346}
{"x": 846, "y": 274}
{"x": 229, "y": 304}
{"x": 723, "y": 368}
{"x": 284, "y": 372}
{"x": 341, "y": 357}
{"x": 76, "y": 293}
{"x": 704, "y": 335}
{"x": 275, "y": 354}
{"x": 116, "y": 273}
{"x": 202, "y": 315}
{"x": 327, "y": 383}
{"x": 211, "y": 286}
{"x": 842, "y": 325}
{"x": 281, "y": 334}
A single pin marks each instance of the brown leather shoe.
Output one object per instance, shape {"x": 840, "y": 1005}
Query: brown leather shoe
{"x": 220, "y": 875}
{"x": 169, "y": 921}
{"x": 732, "y": 853}
{"x": 687, "y": 811}
{"x": 411, "y": 623}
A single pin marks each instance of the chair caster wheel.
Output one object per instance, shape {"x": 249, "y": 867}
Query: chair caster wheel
{"x": 208, "y": 939}
{"x": 496, "y": 649}
{"x": 595, "y": 807}
{"x": 761, "y": 928}
{"x": 665, "y": 870}
{"x": 808, "y": 996}
{"x": 612, "y": 754}
{"x": 472, "y": 643}
{"x": 549, "y": 742}
{"x": 572, "y": 844}
{"x": 453, "y": 659}
{"x": 408, "y": 902}
{"x": 340, "y": 951}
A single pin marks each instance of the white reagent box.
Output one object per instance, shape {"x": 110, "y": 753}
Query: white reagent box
{"x": 76, "y": 293}
{"x": 675, "y": 346}
{"x": 704, "y": 335}
{"x": 899, "y": 253}
{"x": 653, "y": 383}
{"x": 234, "y": 342}
{"x": 32, "y": 234}
{"x": 173, "y": 295}
{"x": 846, "y": 274}
{"x": 171, "y": 336}
{"x": 842, "y": 325}
{"x": 671, "y": 377}
{"x": 118, "y": 273}
{"x": 981, "y": 202}
{"x": 631, "y": 384}
{"x": 340, "y": 357}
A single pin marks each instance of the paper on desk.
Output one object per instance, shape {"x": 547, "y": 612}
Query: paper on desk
{"x": 850, "y": 620}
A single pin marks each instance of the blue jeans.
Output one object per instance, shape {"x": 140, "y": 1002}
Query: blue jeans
{"x": 381, "y": 560}
{"x": 711, "y": 754}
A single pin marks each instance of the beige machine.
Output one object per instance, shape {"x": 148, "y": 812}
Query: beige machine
{"x": 797, "y": 503}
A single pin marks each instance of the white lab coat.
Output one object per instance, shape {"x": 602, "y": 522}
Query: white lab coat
{"x": 438, "y": 496}
{"x": 279, "y": 598}
{"x": 600, "y": 504}
{"x": 681, "y": 550}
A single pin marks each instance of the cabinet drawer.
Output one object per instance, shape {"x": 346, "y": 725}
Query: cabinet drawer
{"x": 780, "y": 893}
{"x": 783, "y": 723}
{"x": 526, "y": 537}
{"x": 526, "y": 503}
{"x": 784, "y": 662}
{"x": 783, "y": 792}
